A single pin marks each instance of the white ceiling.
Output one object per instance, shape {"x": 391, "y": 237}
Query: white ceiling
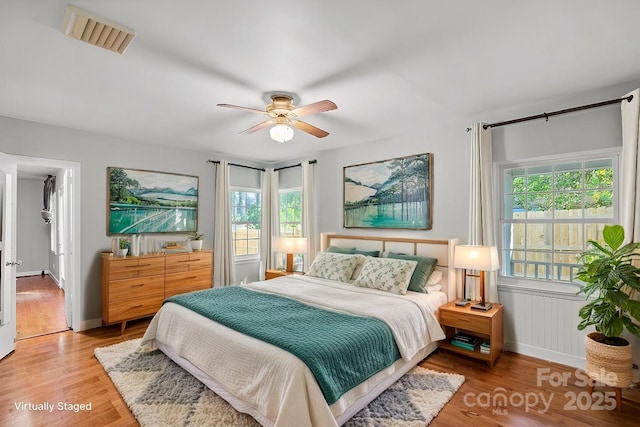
{"x": 388, "y": 65}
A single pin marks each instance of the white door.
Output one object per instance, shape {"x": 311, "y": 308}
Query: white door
{"x": 8, "y": 171}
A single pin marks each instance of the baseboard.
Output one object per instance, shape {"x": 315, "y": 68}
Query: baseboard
{"x": 89, "y": 324}
{"x": 544, "y": 354}
{"x": 33, "y": 273}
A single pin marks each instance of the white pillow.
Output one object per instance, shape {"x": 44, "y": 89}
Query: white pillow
{"x": 435, "y": 278}
{"x": 334, "y": 266}
{"x": 386, "y": 274}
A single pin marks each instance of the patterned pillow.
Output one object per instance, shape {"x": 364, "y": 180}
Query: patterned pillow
{"x": 386, "y": 274}
{"x": 423, "y": 270}
{"x": 334, "y": 266}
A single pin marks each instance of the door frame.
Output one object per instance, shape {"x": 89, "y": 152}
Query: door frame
{"x": 8, "y": 197}
{"x": 72, "y": 236}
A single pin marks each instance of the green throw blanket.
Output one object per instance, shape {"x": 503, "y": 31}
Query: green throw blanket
{"x": 341, "y": 350}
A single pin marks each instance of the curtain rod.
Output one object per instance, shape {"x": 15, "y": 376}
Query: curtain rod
{"x": 557, "y": 113}
{"x": 293, "y": 166}
{"x": 261, "y": 169}
{"x": 217, "y": 162}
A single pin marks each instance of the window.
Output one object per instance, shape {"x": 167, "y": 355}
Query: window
{"x": 550, "y": 210}
{"x": 245, "y": 219}
{"x": 291, "y": 222}
{"x": 291, "y": 213}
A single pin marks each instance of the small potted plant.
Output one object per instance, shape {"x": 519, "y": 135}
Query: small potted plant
{"x": 123, "y": 247}
{"x": 610, "y": 279}
{"x": 195, "y": 239}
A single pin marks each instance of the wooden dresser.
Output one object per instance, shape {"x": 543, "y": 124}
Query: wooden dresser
{"x": 134, "y": 287}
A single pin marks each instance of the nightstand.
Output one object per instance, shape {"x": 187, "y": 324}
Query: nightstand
{"x": 272, "y": 274}
{"x": 486, "y": 325}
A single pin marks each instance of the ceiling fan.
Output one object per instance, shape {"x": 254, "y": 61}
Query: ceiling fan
{"x": 284, "y": 115}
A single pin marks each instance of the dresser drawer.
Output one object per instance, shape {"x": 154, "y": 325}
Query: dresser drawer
{"x": 176, "y": 263}
{"x": 123, "y": 268}
{"x": 178, "y": 283}
{"x": 199, "y": 260}
{"x": 468, "y": 322}
{"x": 151, "y": 266}
{"x": 131, "y": 309}
{"x": 138, "y": 287}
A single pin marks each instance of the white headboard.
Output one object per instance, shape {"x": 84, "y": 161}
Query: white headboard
{"x": 440, "y": 249}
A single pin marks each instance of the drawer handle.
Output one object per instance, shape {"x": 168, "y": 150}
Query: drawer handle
{"x": 138, "y": 285}
{"x": 136, "y": 306}
{"x": 131, "y": 266}
{"x": 191, "y": 277}
{"x": 463, "y": 319}
{"x": 183, "y": 260}
{"x": 196, "y": 260}
{"x": 145, "y": 265}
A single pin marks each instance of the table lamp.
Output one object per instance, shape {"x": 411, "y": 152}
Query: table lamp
{"x": 290, "y": 246}
{"x": 480, "y": 258}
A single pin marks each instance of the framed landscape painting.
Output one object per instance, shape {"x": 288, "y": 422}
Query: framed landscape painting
{"x": 394, "y": 193}
{"x": 141, "y": 201}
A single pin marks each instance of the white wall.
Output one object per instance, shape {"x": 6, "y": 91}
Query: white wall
{"x": 32, "y": 232}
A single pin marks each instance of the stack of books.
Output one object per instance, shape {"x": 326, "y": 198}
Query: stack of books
{"x": 485, "y": 347}
{"x": 465, "y": 341}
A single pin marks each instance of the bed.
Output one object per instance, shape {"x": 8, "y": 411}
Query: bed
{"x": 276, "y": 387}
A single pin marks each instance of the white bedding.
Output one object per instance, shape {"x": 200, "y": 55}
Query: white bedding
{"x": 271, "y": 384}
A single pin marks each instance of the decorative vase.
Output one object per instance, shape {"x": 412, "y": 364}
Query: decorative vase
{"x": 608, "y": 364}
{"x": 123, "y": 252}
{"x": 196, "y": 245}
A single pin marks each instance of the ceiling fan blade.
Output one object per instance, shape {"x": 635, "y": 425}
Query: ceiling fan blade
{"x": 316, "y": 107}
{"x": 306, "y": 127}
{"x": 236, "y": 107}
{"x": 257, "y": 127}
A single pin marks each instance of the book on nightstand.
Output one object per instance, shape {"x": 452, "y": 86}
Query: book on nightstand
{"x": 465, "y": 341}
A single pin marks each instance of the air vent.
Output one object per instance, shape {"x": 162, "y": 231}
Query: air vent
{"x": 85, "y": 26}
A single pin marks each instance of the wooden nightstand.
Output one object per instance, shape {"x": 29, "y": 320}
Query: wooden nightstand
{"x": 486, "y": 325}
{"x": 272, "y": 274}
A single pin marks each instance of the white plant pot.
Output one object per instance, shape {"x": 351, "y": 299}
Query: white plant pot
{"x": 196, "y": 245}
{"x": 123, "y": 252}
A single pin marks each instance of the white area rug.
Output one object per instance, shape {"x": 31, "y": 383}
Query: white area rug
{"x": 161, "y": 393}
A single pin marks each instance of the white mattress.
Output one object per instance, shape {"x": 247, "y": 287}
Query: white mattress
{"x": 274, "y": 386}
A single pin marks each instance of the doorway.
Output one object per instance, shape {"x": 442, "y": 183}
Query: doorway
{"x": 47, "y": 282}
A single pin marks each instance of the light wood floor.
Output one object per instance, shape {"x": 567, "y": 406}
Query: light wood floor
{"x": 39, "y": 307}
{"x": 62, "y": 368}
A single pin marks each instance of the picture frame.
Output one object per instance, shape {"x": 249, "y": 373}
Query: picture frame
{"x": 143, "y": 201}
{"x": 395, "y": 193}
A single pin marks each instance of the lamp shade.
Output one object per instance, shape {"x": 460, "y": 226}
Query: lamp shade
{"x": 290, "y": 245}
{"x": 281, "y": 133}
{"x": 473, "y": 257}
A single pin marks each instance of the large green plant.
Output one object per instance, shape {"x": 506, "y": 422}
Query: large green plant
{"x": 610, "y": 277}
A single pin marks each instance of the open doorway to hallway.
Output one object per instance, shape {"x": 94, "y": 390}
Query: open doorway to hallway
{"x": 40, "y": 307}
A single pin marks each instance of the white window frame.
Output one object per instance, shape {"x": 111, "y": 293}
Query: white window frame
{"x": 248, "y": 257}
{"x": 552, "y": 286}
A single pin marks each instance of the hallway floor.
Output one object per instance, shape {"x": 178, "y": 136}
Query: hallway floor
{"x": 39, "y": 307}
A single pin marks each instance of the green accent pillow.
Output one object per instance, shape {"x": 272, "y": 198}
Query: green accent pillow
{"x": 421, "y": 274}
{"x": 351, "y": 251}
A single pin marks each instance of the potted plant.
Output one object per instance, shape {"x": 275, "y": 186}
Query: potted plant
{"x": 123, "y": 247}
{"x": 196, "y": 240}
{"x": 610, "y": 279}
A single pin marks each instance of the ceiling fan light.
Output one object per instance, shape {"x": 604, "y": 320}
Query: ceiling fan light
{"x": 281, "y": 133}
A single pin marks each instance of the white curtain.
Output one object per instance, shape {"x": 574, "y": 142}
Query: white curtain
{"x": 630, "y": 184}
{"x": 223, "y": 252}
{"x": 629, "y": 176}
{"x": 309, "y": 220}
{"x": 270, "y": 225}
{"x": 481, "y": 218}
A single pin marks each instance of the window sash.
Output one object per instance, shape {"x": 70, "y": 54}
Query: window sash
{"x": 548, "y": 242}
